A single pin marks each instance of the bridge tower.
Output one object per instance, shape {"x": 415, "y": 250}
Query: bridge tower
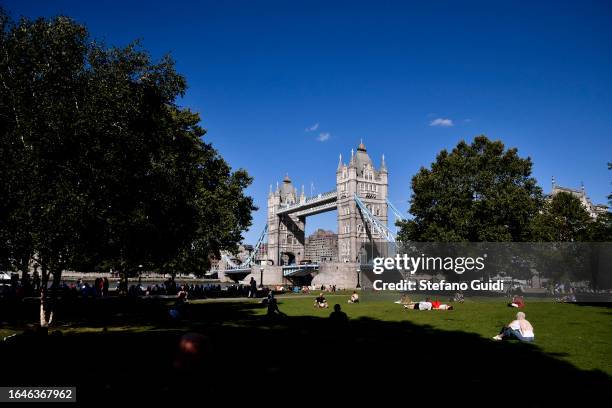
{"x": 286, "y": 233}
{"x": 371, "y": 185}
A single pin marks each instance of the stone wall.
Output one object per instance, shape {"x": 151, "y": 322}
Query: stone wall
{"x": 222, "y": 277}
{"x": 272, "y": 275}
{"x": 341, "y": 274}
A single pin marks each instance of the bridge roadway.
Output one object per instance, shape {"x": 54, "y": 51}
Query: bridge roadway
{"x": 289, "y": 271}
{"x": 312, "y": 206}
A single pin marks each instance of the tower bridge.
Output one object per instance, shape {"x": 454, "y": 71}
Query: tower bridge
{"x": 357, "y": 181}
{"x": 361, "y": 202}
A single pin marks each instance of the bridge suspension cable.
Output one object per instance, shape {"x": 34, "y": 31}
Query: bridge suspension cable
{"x": 249, "y": 261}
{"x": 381, "y": 228}
{"x": 260, "y": 241}
{"x": 398, "y": 215}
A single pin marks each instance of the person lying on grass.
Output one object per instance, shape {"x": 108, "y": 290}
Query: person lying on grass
{"x": 437, "y": 305}
{"x": 321, "y": 302}
{"x": 423, "y": 305}
{"x": 354, "y": 298}
{"x": 427, "y": 305}
{"x": 519, "y": 329}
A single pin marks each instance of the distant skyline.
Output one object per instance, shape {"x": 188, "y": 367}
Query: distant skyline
{"x": 285, "y": 87}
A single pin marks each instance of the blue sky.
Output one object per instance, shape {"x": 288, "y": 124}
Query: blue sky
{"x": 410, "y": 78}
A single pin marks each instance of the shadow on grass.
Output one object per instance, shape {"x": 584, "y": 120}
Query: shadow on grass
{"x": 607, "y": 305}
{"x": 248, "y": 353}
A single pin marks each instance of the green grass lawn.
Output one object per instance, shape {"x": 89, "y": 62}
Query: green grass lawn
{"x": 581, "y": 335}
{"x": 139, "y": 341}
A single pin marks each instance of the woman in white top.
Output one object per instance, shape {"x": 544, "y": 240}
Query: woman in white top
{"x": 519, "y": 329}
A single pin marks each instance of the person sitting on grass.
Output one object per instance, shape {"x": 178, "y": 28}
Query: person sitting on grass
{"x": 517, "y": 301}
{"x": 321, "y": 302}
{"x": 268, "y": 298}
{"x": 519, "y": 329}
{"x": 273, "y": 310}
{"x": 354, "y": 298}
{"x": 182, "y": 295}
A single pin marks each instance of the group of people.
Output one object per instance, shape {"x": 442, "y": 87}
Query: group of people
{"x": 191, "y": 291}
{"x": 321, "y": 303}
{"x": 518, "y": 329}
{"x": 98, "y": 289}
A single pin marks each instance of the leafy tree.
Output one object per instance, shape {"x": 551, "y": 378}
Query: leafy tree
{"x": 477, "y": 192}
{"x": 600, "y": 230}
{"x": 100, "y": 166}
{"x": 563, "y": 219}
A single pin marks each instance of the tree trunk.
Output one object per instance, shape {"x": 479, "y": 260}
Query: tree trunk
{"x": 46, "y": 310}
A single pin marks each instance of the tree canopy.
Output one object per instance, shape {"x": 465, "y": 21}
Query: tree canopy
{"x": 477, "y": 192}
{"x": 99, "y": 163}
{"x": 562, "y": 219}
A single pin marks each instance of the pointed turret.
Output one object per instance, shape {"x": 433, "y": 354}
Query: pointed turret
{"x": 383, "y": 165}
{"x": 288, "y": 193}
{"x": 362, "y": 159}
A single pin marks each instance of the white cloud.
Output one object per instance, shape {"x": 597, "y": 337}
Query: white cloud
{"x": 324, "y": 136}
{"x": 312, "y": 128}
{"x": 443, "y": 122}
